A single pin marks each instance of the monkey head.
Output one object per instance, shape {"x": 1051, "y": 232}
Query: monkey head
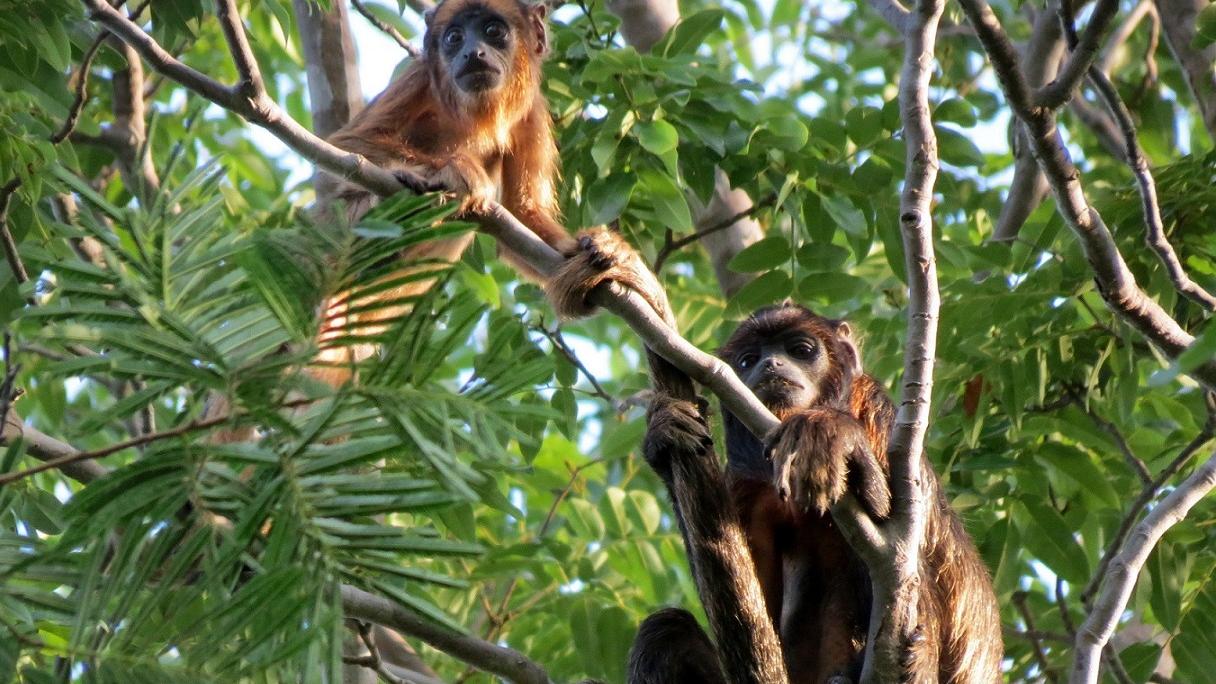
{"x": 483, "y": 47}
{"x": 793, "y": 358}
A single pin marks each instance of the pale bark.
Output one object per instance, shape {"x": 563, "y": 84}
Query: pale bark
{"x": 1120, "y": 579}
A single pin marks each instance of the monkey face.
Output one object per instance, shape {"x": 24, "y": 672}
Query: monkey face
{"x": 792, "y": 358}
{"x": 476, "y": 48}
{"x": 783, "y": 370}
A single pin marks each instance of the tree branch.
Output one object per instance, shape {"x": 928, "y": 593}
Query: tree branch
{"x": 1147, "y": 493}
{"x": 1040, "y": 59}
{"x": 11, "y": 254}
{"x": 1155, "y": 228}
{"x": 1179, "y": 24}
{"x": 46, "y": 448}
{"x": 385, "y": 28}
{"x": 1057, "y": 93}
{"x": 67, "y": 458}
{"x": 259, "y": 109}
{"x": 1094, "y": 634}
{"x": 504, "y": 662}
{"x": 1114, "y": 279}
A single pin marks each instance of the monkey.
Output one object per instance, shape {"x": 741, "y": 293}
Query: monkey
{"x": 814, "y": 589}
{"x": 467, "y": 117}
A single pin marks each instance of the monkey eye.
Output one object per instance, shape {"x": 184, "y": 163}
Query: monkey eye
{"x": 746, "y": 361}
{"x": 496, "y": 30}
{"x": 803, "y": 349}
{"x": 454, "y": 36}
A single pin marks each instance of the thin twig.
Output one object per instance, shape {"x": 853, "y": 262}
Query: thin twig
{"x": 372, "y": 660}
{"x": 384, "y": 27}
{"x": 1133, "y": 461}
{"x": 499, "y": 618}
{"x": 11, "y": 254}
{"x": 10, "y": 376}
{"x": 140, "y": 440}
{"x": 671, "y": 246}
{"x": 1057, "y": 93}
{"x": 1031, "y": 633}
{"x": 559, "y": 344}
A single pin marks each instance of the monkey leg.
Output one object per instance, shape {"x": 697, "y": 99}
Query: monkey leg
{"x": 603, "y": 255}
{"x": 818, "y": 454}
{"x": 671, "y": 648}
{"x": 679, "y": 447}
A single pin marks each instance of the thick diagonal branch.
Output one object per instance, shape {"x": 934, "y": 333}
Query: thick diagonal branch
{"x": 504, "y": 662}
{"x": 1154, "y": 226}
{"x": 1114, "y": 279}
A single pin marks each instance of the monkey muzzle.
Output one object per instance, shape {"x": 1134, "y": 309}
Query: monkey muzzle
{"x": 477, "y": 75}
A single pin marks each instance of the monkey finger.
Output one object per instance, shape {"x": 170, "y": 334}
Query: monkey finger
{"x": 784, "y": 477}
{"x": 868, "y": 480}
{"x": 415, "y": 182}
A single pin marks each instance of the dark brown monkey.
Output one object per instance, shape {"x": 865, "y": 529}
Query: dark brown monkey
{"x": 833, "y": 439}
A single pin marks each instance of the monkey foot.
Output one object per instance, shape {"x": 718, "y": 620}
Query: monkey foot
{"x": 603, "y": 256}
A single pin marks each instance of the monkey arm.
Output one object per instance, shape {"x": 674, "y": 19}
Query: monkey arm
{"x": 529, "y": 175}
{"x": 679, "y": 447}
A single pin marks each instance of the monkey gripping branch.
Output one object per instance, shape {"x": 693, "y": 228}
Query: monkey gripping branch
{"x": 890, "y": 548}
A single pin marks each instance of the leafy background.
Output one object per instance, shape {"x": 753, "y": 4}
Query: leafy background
{"x": 474, "y": 473}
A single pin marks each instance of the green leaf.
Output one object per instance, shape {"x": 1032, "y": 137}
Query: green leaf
{"x": 1049, "y": 537}
{"x": 1201, "y": 351}
{"x": 763, "y": 255}
{"x": 656, "y": 137}
{"x": 1205, "y": 28}
{"x": 690, "y": 33}
{"x": 670, "y": 207}
{"x": 831, "y": 287}
{"x": 769, "y": 288}
{"x": 1194, "y": 646}
{"x": 956, "y": 110}
{"x": 957, "y": 149}
{"x": 864, "y": 125}
{"x": 608, "y": 197}
{"x": 848, "y": 217}
{"x": 1080, "y": 468}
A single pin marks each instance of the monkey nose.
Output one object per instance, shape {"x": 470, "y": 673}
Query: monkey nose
{"x": 772, "y": 362}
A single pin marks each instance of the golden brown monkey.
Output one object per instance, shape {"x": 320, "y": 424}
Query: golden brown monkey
{"x": 833, "y": 439}
{"x": 469, "y": 117}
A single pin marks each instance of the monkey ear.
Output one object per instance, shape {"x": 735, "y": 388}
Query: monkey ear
{"x": 845, "y": 332}
{"x": 428, "y": 17}
{"x": 536, "y": 20}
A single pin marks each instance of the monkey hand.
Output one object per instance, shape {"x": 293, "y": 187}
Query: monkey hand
{"x": 416, "y": 182}
{"x": 675, "y": 428}
{"x": 602, "y": 256}
{"x": 819, "y": 454}
{"x": 465, "y": 178}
